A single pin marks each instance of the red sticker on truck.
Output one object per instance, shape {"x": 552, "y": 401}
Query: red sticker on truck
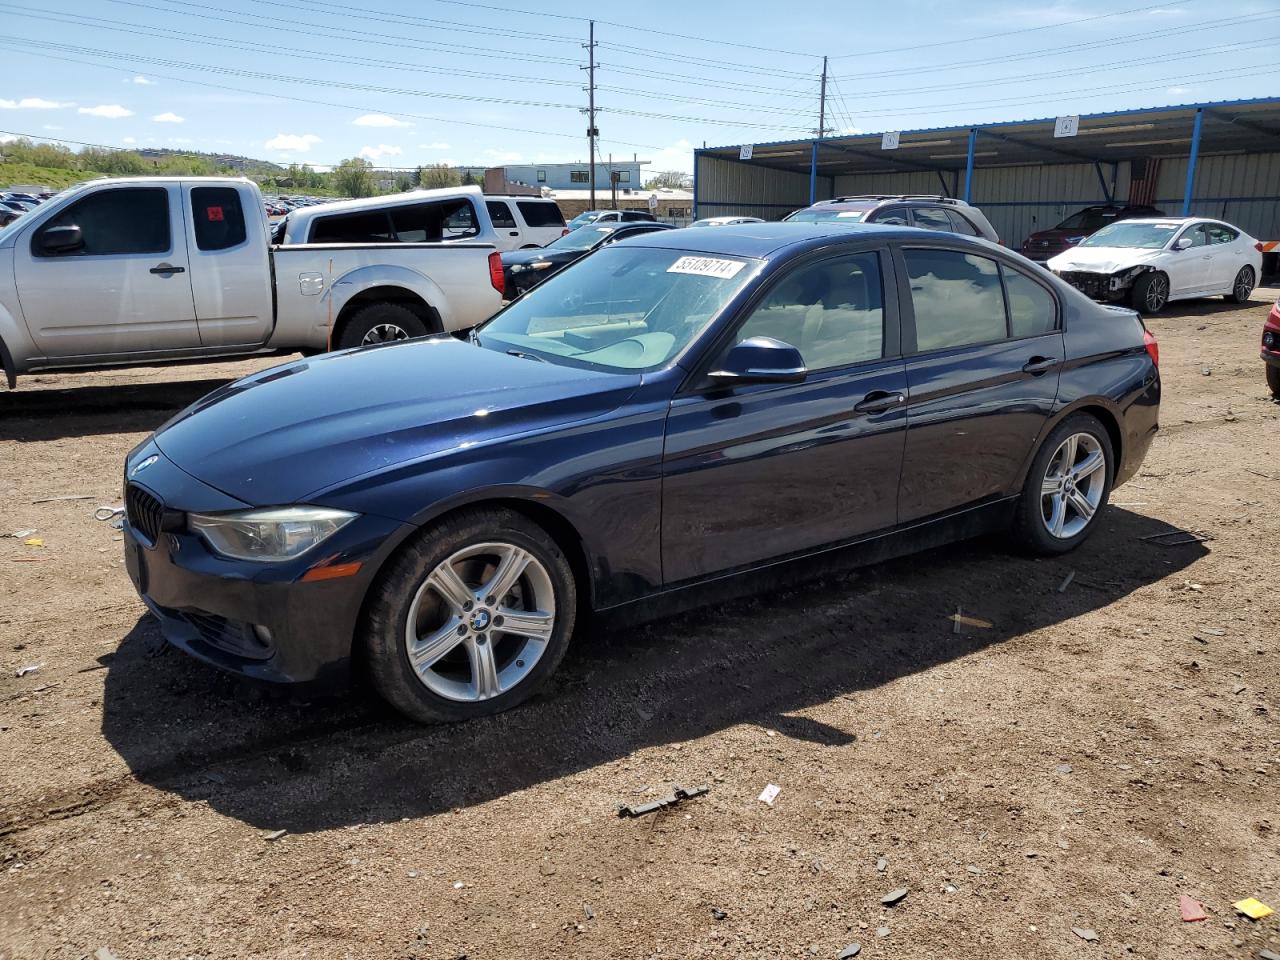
{"x": 214, "y": 214}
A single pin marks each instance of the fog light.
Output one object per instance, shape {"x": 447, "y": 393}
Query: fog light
{"x": 263, "y": 634}
{"x": 1268, "y": 339}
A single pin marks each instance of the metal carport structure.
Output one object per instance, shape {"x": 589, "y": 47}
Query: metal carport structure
{"x": 1217, "y": 159}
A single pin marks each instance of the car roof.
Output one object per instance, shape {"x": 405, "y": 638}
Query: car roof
{"x": 764, "y": 240}
{"x": 327, "y": 209}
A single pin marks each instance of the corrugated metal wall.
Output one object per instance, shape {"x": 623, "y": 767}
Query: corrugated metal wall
{"x": 1017, "y": 200}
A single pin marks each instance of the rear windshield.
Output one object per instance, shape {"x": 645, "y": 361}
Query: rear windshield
{"x": 623, "y": 308}
{"x": 822, "y": 214}
{"x": 1088, "y": 220}
{"x": 1127, "y": 233}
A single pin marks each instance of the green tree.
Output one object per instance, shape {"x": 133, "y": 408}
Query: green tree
{"x": 354, "y": 178}
{"x": 439, "y": 175}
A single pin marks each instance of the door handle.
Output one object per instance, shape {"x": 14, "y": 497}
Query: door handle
{"x": 165, "y": 269}
{"x": 1038, "y": 365}
{"x": 514, "y": 233}
{"x": 878, "y": 401}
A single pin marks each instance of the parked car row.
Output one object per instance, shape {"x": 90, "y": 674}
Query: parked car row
{"x": 13, "y": 205}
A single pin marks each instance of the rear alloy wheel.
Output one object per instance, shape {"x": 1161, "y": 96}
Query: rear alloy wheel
{"x": 1243, "y": 286}
{"x": 1067, "y": 486}
{"x": 1150, "y": 292}
{"x": 381, "y": 323}
{"x": 1273, "y": 380}
{"x": 471, "y": 618}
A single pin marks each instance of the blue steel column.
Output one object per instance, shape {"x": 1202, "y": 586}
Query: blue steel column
{"x": 1191, "y": 164}
{"x": 968, "y": 164}
{"x": 813, "y": 175}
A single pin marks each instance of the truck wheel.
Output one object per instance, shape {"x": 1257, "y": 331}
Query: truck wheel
{"x": 381, "y": 323}
{"x": 1273, "y": 380}
{"x": 1150, "y": 292}
{"x": 471, "y": 618}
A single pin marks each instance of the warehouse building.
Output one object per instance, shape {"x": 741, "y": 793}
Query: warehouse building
{"x": 567, "y": 176}
{"x": 1208, "y": 159}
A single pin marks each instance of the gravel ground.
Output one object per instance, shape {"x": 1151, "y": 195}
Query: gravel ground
{"x": 1097, "y": 752}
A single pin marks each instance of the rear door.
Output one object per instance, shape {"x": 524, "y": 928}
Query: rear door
{"x": 764, "y": 471}
{"x": 125, "y": 290}
{"x": 984, "y": 350}
{"x": 543, "y": 221}
{"x": 510, "y": 236}
{"x": 230, "y": 275}
{"x": 1227, "y": 254}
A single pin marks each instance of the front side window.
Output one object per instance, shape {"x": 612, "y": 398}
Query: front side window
{"x": 540, "y": 213}
{"x": 113, "y": 222}
{"x": 1196, "y": 235}
{"x": 831, "y": 311}
{"x": 500, "y": 214}
{"x": 622, "y": 309}
{"x": 957, "y": 299}
{"x": 371, "y": 226}
{"x": 218, "y": 218}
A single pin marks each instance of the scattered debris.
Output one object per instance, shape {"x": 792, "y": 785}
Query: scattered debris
{"x": 894, "y": 897}
{"x": 112, "y": 515}
{"x": 20, "y": 534}
{"x": 1213, "y": 632}
{"x": 74, "y": 496}
{"x": 959, "y": 620}
{"x": 769, "y": 793}
{"x": 1268, "y": 955}
{"x": 1175, "y": 538}
{"x": 33, "y": 542}
{"x": 458, "y": 885}
{"x": 1085, "y": 934}
{"x": 105, "y": 953}
{"x": 1062, "y": 587}
{"x": 30, "y": 668}
{"x": 586, "y": 908}
{"x": 882, "y": 865}
{"x": 678, "y": 793}
{"x": 1265, "y": 476}
{"x": 1239, "y": 688}
{"x": 274, "y": 835}
{"x": 849, "y": 952}
{"x": 1191, "y": 909}
{"x": 1253, "y": 908}
{"x": 1063, "y": 768}
{"x": 718, "y": 914}
{"x": 974, "y": 870}
{"x": 883, "y": 931}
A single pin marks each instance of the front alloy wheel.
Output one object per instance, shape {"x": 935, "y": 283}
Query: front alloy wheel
{"x": 471, "y": 616}
{"x": 1150, "y": 292}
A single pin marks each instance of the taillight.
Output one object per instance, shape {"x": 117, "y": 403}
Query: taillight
{"x": 1153, "y": 347}
{"x": 1258, "y": 246}
{"x": 495, "y": 272}
{"x": 564, "y": 232}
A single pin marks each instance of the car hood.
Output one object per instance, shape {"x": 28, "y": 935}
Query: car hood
{"x": 281, "y": 435}
{"x": 1102, "y": 259}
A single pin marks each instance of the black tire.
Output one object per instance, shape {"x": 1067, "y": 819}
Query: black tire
{"x": 392, "y": 597}
{"x": 364, "y": 326}
{"x": 1242, "y": 286}
{"x": 1030, "y": 527}
{"x": 1273, "y": 380}
{"x": 1150, "y": 292}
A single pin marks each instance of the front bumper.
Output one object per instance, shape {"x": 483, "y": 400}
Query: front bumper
{"x": 260, "y": 620}
{"x": 1107, "y": 287}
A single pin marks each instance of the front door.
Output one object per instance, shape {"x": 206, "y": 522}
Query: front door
{"x": 1189, "y": 268}
{"x": 767, "y": 471}
{"x": 985, "y": 350}
{"x": 125, "y": 290}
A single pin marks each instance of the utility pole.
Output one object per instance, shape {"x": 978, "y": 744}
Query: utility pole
{"x": 592, "y": 132}
{"x": 822, "y": 103}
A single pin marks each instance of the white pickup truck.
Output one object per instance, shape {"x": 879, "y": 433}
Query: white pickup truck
{"x": 152, "y": 269}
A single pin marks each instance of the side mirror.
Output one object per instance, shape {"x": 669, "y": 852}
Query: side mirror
{"x": 61, "y": 239}
{"x": 1182, "y": 243}
{"x": 759, "y": 360}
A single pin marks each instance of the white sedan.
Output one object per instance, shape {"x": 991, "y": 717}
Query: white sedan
{"x": 724, "y": 221}
{"x": 1148, "y": 262}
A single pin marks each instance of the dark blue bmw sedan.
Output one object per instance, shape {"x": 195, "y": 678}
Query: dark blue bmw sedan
{"x": 672, "y": 411}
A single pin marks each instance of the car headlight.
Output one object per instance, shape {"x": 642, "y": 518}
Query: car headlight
{"x": 272, "y": 535}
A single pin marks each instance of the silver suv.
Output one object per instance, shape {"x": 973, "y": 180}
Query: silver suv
{"x": 928, "y": 212}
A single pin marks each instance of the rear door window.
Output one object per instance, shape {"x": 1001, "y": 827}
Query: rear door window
{"x": 1220, "y": 234}
{"x": 365, "y": 226}
{"x": 957, "y": 299}
{"x": 218, "y": 218}
{"x": 931, "y": 218}
{"x": 1032, "y": 309}
{"x": 121, "y": 221}
{"x": 892, "y": 216}
{"x": 540, "y": 214}
{"x": 960, "y": 224}
{"x": 500, "y": 214}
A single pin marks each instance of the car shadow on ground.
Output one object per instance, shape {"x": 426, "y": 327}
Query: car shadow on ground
{"x": 30, "y": 416}
{"x": 277, "y": 763}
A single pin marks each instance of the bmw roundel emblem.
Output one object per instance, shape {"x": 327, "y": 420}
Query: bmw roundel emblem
{"x": 142, "y": 465}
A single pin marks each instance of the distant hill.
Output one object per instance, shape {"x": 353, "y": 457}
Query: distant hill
{"x": 247, "y": 165}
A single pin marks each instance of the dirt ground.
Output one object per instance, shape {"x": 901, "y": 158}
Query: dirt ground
{"x": 1097, "y": 752}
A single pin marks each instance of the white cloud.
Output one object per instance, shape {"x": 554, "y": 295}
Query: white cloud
{"x": 381, "y": 150}
{"x": 130, "y": 140}
{"x": 503, "y": 157}
{"x": 379, "y": 120}
{"x": 50, "y": 126}
{"x": 111, "y": 111}
{"x": 32, "y": 103}
{"x": 168, "y": 117}
{"x": 434, "y": 146}
{"x": 292, "y": 142}
{"x": 1178, "y": 91}
{"x": 143, "y": 81}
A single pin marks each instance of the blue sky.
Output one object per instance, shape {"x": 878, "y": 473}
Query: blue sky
{"x": 482, "y": 82}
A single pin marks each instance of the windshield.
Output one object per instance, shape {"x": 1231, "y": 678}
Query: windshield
{"x": 582, "y": 219}
{"x": 625, "y": 308}
{"x": 1088, "y": 220}
{"x": 583, "y": 239}
{"x": 1130, "y": 233}
{"x": 821, "y": 214}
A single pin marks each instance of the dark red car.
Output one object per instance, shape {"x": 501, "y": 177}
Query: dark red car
{"x": 1271, "y": 349}
{"x": 1049, "y": 243}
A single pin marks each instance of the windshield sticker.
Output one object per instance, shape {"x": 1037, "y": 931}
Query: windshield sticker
{"x": 849, "y": 215}
{"x": 1164, "y": 226}
{"x": 707, "y": 267}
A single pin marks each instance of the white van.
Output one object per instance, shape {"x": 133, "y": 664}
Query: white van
{"x": 525, "y": 222}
